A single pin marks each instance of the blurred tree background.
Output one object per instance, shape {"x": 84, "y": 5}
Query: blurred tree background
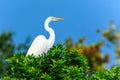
{"x": 8, "y": 48}
{"x": 92, "y": 52}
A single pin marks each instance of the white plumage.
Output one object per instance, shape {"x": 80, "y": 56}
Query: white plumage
{"x": 40, "y": 44}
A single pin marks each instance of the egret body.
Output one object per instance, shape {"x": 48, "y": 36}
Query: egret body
{"x": 40, "y": 44}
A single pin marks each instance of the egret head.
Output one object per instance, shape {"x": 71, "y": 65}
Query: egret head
{"x": 54, "y": 19}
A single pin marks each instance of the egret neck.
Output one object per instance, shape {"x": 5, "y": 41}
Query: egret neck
{"x": 51, "y": 39}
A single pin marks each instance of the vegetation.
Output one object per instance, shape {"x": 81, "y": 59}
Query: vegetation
{"x": 7, "y": 48}
{"x": 91, "y": 52}
{"x": 58, "y": 63}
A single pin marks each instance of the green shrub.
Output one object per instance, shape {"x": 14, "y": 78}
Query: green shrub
{"x": 56, "y": 64}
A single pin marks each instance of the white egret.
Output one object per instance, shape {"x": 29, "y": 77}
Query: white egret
{"x": 40, "y": 44}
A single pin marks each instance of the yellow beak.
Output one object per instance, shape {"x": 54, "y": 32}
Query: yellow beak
{"x": 58, "y": 19}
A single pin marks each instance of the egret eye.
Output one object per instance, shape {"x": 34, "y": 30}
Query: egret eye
{"x": 53, "y": 18}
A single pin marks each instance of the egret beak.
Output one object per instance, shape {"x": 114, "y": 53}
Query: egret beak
{"x": 58, "y": 19}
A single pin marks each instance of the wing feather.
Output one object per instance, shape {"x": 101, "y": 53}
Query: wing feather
{"x": 38, "y": 46}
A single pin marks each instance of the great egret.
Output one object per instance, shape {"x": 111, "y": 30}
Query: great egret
{"x": 40, "y": 44}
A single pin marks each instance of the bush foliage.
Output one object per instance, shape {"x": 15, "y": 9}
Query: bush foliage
{"x": 59, "y": 64}
{"x": 56, "y": 64}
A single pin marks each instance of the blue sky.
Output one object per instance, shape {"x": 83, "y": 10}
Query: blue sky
{"x": 81, "y": 18}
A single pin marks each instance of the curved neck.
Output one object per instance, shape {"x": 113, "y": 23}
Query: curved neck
{"x": 51, "y": 32}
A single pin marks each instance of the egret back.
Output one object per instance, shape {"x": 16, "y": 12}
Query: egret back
{"x": 39, "y": 46}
